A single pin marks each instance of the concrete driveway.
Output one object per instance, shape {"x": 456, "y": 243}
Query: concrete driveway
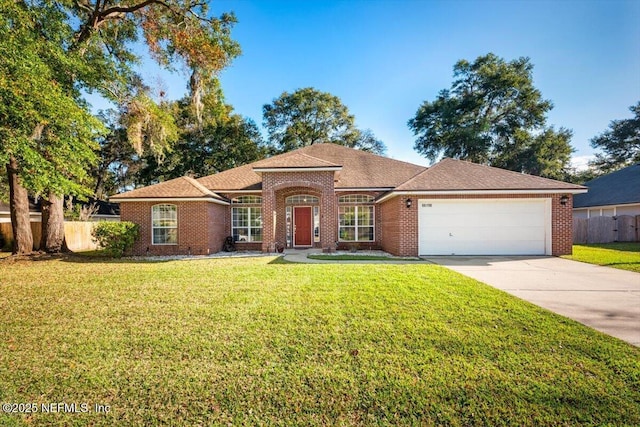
{"x": 606, "y": 299}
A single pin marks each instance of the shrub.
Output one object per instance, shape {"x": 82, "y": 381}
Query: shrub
{"x": 115, "y": 237}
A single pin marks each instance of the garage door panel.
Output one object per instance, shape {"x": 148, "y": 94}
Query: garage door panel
{"x": 483, "y": 234}
{"x": 491, "y": 248}
{"x": 483, "y": 227}
{"x": 475, "y": 219}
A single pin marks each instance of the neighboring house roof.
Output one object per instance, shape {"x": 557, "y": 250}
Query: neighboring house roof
{"x": 33, "y": 207}
{"x": 355, "y": 169}
{"x": 183, "y": 187}
{"x": 104, "y": 208}
{"x": 617, "y": 188}
{"x": 453, "y": 175}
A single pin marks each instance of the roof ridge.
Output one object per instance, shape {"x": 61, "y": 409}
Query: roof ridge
{"x": 500, "y": 169}
{"x": 364, "y": 152}
{"x": 199, "y": 186}
{"x": 427, "y": 168}
{"x": 318, "y": 158}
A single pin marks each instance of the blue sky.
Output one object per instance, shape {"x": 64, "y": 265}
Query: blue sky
{"x": 384, "y": 58}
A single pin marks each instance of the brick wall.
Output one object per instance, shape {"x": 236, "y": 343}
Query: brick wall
{"x": 561, "y": 226}
{"x": 203, "y": 226}
{"x": 400, "y": 224}
{"x": 200, "y": 227}
{"x": 276, "y": 186}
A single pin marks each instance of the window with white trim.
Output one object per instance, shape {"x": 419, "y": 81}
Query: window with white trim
{"x": 356, "y": 219}
{"x": 247, "y": 200}
{"x": 164, "y": 224}
{"x": 300, "y": 199}
{"x": 246, "y": 221}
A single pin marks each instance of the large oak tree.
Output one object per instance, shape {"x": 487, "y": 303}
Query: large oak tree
{"x": 493, "y": 114}
{"x": 85, "y": 44}
{"x": 620, "y": 143}
{"x": 309, "y": 116}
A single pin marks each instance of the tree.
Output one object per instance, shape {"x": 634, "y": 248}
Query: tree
{"x": 209, "y": 141}
{"x": 222, "y": 142}
{"x": 88, "y": 45}
{"x": 46, "y": 132}
{"x": 308, "y": 116}
{"x": 620, "y": 143}
{"x": 493, "y": 115}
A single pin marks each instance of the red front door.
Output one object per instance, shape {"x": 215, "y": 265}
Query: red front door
{"x": 302, "y": 227}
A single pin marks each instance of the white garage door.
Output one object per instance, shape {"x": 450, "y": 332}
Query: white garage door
{"x": 484, "y": 227}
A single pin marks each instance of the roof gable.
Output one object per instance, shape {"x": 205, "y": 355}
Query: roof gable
{"x": 360, "y": 169}
{"x": 451, "y": 175}
{"x": 183, "y": 187}
{"x": 617, "y": 188}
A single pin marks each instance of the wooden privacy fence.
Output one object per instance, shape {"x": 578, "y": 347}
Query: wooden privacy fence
{"x": 606, "y": 229}
{"x": 77, "y": 234}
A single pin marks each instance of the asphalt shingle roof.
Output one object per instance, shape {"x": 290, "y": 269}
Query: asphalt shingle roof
{"x": 360, "y": 169}
{"x": 179, "y": 187}
{"x": 617, "y": 188}
{"x": 451, "y": 174}
{"x": 293, "y": 159}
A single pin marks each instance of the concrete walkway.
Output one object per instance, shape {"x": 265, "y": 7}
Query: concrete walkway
{"x": 603, "y": 298}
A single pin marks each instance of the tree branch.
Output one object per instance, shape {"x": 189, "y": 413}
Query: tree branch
{"x": 134, "y": 8}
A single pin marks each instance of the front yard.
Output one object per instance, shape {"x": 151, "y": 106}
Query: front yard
{"x": 251, "y": 342}
{"x": 625, "y": 256}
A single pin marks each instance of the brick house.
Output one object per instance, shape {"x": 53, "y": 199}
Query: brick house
{"x": 329, "y": 196}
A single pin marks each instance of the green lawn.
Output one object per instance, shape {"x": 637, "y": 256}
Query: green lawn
{"x": 625, "y": 256}
{"x": 248, "y": 342}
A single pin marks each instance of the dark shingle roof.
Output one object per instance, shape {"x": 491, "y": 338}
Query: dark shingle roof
{"x": 617, "y": 188}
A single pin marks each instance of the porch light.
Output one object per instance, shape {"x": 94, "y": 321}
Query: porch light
{"x": 409, "y": 203}
{"x": 564, "y": 199}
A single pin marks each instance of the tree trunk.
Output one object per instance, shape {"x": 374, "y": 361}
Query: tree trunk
{"x": 19, "y": 207}
{"x": 52, "y": 240}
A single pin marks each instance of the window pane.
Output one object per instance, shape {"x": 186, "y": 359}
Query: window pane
{"x": 256, "y": 234}
{"x": 355, "y": 198}
{"x": 365, "y": 234}
{"x": 164, "y": 222}
{"x": 347, "y": 215}
{"x": 247, "y": 199}
{"x": 164, "y": 216}
{"x": 163, "y": 236}
{"x": 348, "y": 233}
{"x": 365, "y": 216}
{"x": 240, "y": 217}
{"x": 256, "y": 217}
{"x": 241, "y": 234}
{"x": 301, "y": 199}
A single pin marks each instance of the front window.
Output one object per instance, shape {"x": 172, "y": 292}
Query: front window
{"x": 246, "y": 221}
{"x": 164, "y": 222}
{"x": 355, "y": 218}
